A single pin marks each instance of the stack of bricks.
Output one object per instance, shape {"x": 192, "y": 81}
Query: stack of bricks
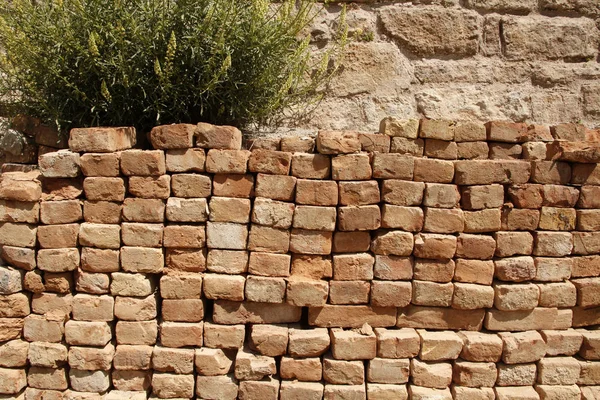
{"x": 431, "y": 260}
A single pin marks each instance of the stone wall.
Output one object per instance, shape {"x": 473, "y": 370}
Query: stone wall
{"x": 471, "y": 60}
{"x": 433, "y": 260}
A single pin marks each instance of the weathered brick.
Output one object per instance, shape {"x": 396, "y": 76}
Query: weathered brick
{"x": 276, "y": 187}
{"x": 57, "y": 236}
{"x": 218, "y": 137}
{"x": 304, "y": 292}
{"x": 143, "y": 162}
{"x": 318, "y": 193}
{"x": 337, "y": 142}
{"x": 390, "y": 267}
{"x": 432, "y": 170}
{"x": 351, "y": 167}
{"x": 59, "y": 164}
{"x": 102, "y": 140}
{"x": 392, "y": 166}
{"x": 396, "y": 243}
{"x": 440, "y": 318}
{"x": 143, "y": 210}
{"x": 191, "y": 185}
{"x": 349, "y": 292}
{"x": 436, "y": 246}
{"x": 402, "y": 193}
{"x": 311, "y": 166}
{"x": 186, "y": 210}
{"x": 438, "y": 220}
{"x": 142, "y": 259}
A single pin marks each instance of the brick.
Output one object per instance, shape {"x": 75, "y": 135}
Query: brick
{"x": 432, "y": 170}
{"x": 351, "y": 316}
{"x": 587, "y": 292}
{"x": 343, "y": 372}
{"x": 100, "y": 164}
{"x": 181, "y": 286}
{"x": 10, "y": 280}
{"x": 228, "y": 312}
{"x": 143, "y": 162}
{"x": 513, "y": 243}
{"x": 465, "y": 393}
{"x": 550, "y": 172}
{"x": 401, "y": 343}
{"x": 124, "y": 284}
{"x": 557, "y": 219}
{"x": 486, "y": 172}
{"x": 136, "y": 332}
{"x": 514, "y": 297}
{"x": 59, "y": 164}
{"x": 297, "y": 144}
{"x": 185, "y": 160}
{"x": 439, "y": 346}
{"x": 337, "y": 142}
{"x": 562, "y": 342}
{"x": 440, "y": 318}
{"x": 12, "y": 381}
{"x": 102, "y": 212}
{"x": 351, "y": 242}
{"x": 308, "y": 342}
{"x": 589, "y": 373}
{"x": 441, "y": 195}
{"x": 559, "y": 196}
{"x": 469, "y": 296}
{"x": 18, "y": 211}
{"x": 560, "y": 294}
{"x": 178, "y": 361}
{"x": 538, "y": 318}
{"x": 310, "y": 242}
{"x": 434, "y": 246}
{"x": 249, "y": 366}
{"x": 392, "y": 166}
{"x": 14, "y": 353}
{"x": 311, "y": 166}
{"x": 191, "y": 185}
{"x": 137, "y": 381}
{"x": 392, "y": 243}
{"x": 353, "y": 266}
{"x": 36, "y": 328}
{"x": 356, "y": 193}
{"x": 58, "y": 260}
{"x": 255, "y": 390}
{"x": 143, "y": 210}
{"x": 264, "y": 238}
{"x": 315, "y": 218}
{"x": 272, "y": 213}
{"x": 10, "y": 328}
{"x": 558, "y": 371}
{"x": 351, "y": 167}
{"x": 181, "y": 334}
{"x": 565, "y": 392}
{"x": 142, "y": 259}
{"x": 267, "y": 264}
{"x": 102, "y": 236}
{"x": 217, "y": 286}
{"x": 354, "y": 218}
{"x": 553, "y": 244}
{"x": 589, "y": 197}
{"x": 227, "y": 161}
{"x": 136, "y": 308}
{"x": 481, "y": 247}
{"x": 265, "y": 289}
{"x": 582, "y": 267}
{"x": 439, "y": 220}
{"x": 57, "y": 236}
{"x": 588, "y": 220}
{"x": 349, "y": 292}
{"x": 481, "y": 197}
{"x": 99, "y": 260}
{"x": 174, "y": 136}
{"x": 301, "y": 390}
{"x": 301, "y": 369}
{"x": 211, "y": 362}
{"x": 276, "y": 187}
{"x": 402, "y": 193}
{"x": 474, "y": 374}
{"x": 480, "y": 347}
{"x": 270, "y": 162}
{"x": 19, "y": 257}
{"x": 483, "y": 221}
{"x": 165, "y": 385}
{"x": 435, "y": 148}
{"x": 233, "y": 185}
{"x": 149, "y": 187}
{"x": 229, "y": 209}
{"x": 182, "y": 310}
{"x": 303, "y": 292}
{"x": 423, "y": 393}
{"x": 60, "y": 212}
{"x": 101, "y": 140}
{"x": 520, "y": 219}
{"x": 394, "y": 127}
{"x": 50, "y": 355}
{"x": 42, "y": 303}
{"x": 515, "y": 269}
{"x": 434, "y": 270}
{"x": 391, "y": 294}
{"x": 516, "y": 374}
{"x": 90, "y": 358}
{"x": 570, "y": 132}
{"x": 217, "y": 137}
{"x": 269, "y": 340}
{"x": 527, "y": 195}
{"x": 104, "y": 188}
{"x": 374, "y": 142}
{"x": 472, "y": 150}
{"x": 311, "y": 266}
{"x": 437, "y": 129}
{"x": 142, "y": 235}
{"x": 132, "y": 357}
{"x": 586, "y": 243}
{"x": 93, "y": 283}
{"x": 226, "y": 235}
{"x": 426, "y": 293}
{"x": 87, "y": 333}
{"x": 590, "y": 349}
{"x": 186, "y": 210}
{"x": 434, "y": 375}
{"x": 585, "y": 174}
{"x": 522, "y": 347}
{"x": 534, "y": 151}
{"x": 20, "y": 187}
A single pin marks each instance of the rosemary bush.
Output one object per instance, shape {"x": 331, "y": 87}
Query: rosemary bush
{"x": 147, "y": 62}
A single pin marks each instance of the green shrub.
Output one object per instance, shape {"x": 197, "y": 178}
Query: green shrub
{"x": 147, "y": 62}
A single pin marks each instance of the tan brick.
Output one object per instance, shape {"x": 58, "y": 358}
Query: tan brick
{"x": 434, "y": 270}
{"x": 185, "y": 160}
{"x": 467, "y": 393}
{"x": 550, "y": 172}
{"x": 10, "y": 328}
{"x": 560, "y": 196}
{"x": 351, "y": 167}
{"x": 538, "y": 318}
{"x": 181, "y": 334}
{"x": 437, "y": 346}
{"x": 217, "y": 137}
{"x": 104, "y": 188}
{"x": 586, "y": 243}
{"x": 481, "y": 247}
{"x": 227, "y": 261}
{"x": 557, "y": 219}
{"x": 374, "y": 142}
{"x": 217, "y": 286}
{"x": 480, "y": 197}
{"x": 93, "y": 283}
{"x": 227, "y": 161}
{"x": 589, "y": 197}
{"x": 210, "y": 362}
{"x": 58, "y": 260}
{"x": 434, "y": 246}
{"x": 520, "y": 219}
{"x": 226, "y": 235}
{"x": 90, "y": 358}
{"x": 302, "y": 369}
{"x": 315, "y": 218}
{"x": 304, "y": 292}
{"x": 174, "y": 136}
{"x": 143, "y": 162}
{"x": 165, "y": 385}
{"x": 432, "y": 170}
{"x": 124, "y": 284}
{"x": 401, "y": 343}
{"x": 431, "y": 374}
{"x": 473, "y": 150}
{"x": 435, "y": 148}
{"x": 394, "y": 127}
{"x": 181, "y": 286}
{"x": 359, "y": 218}
{"x": 142, "y": 259}
{"x": 565, "y": 392}
{"x": 353, "y": 266}
{"x": 405, "y": 218}
{"x": 515, "y": 269}
{"x": 343, "y": 372}
{"x": 14, "y": 353}
{"x": 349, "y": 292}
{"x": 20, "y": 186}
{"x": 37, "y": 328}
{"x": 19, "y": 211}
{"x": 19, "y": 257}
{"x": 480, "y": 347}
{"x": 482, "y": 221}
{"x": 440, "y": 318}
{"x": 99, "y": 260}
{"x": 588, "y": 294}
{"x": 423, "y": 393}
{"x": 13, "y": 380}
{"x": 178, "y": 361}
{"x": 46, "y": 302}
{"x": 351, "y": 316}
{"x": 553, "y": 244}
{"x": 297, "y": 144}
{"x": 514, "y": 297}
{"x": 310, "y": 242}
{"x": 588, "y": 220}
{"x": 392, "y": 243}
{"x": 558, "y": 371}
{"x": 522, "y": 347}
{"x": 136, "y": 332}
{"x": 311, "y": 166}
{"x": 392, "y": 166}
{"x": 441, "y": 195}
{"x": 513, "y": 243}
{"x": 337, "y": 142}
{"x": 102, "y": 212}
{"x": 510, "y": 132}
{"x": 99, "y": 164}
{"x": 269, "y": 340}
{"x": 233, "y": 185}
{"x": 402, "y": 193}
{"x": 265, "y": 289}
{"x": 133, "y": 357}
{"x": 468, "y": 296}
{"x": 352, "y": 345}
{"x": 60, "y": 212}
{"x": 257, "y": 390}
{"x": 272, "y": 213}
{"x": 249, "y": 366}
{"x": 391, "y": 294}
{"x": 474, "y": 374}
{"x": 486, "y": 172}
{"x": 136, "y": 308}
{"x": 87, "y": 333}
{"x": 393, "y": 267}
{"x": 139, "y": 234}
{"x": 59, "y": 164}
{"x": 566, "y": 342}
{"x": 582, "y": 267}
{"x": 270, "y": 162}
{"x": 526, "y": 196}
{"x": 228, "y": 312}
{"x": 143, "y": 210}
{"x": 11, "y": 280}
{"x": 318, "y": 193}
{"x": 505, "y": 151}
{"x": 275, "y": 187}
{"x": 57, "y": 236}
{"x": 14, "y": 305}
{"x": 102, "y": 236}
{"x": 426, "y": 293}
{"x": 559, "y": 294}
{"x": 351, "y": 242}
{"x": 103, "y": 140}
{"x": 590, "y": 349}
{"x": 301, "y": 390}
{"x": 186, "y": 210}
{"x": 438, "y": 220}
{"x": 192, "y": 185}
{"x": 358, "y": 193}
{"x": 138, "y": 381}
{"x": 265, "y": 238}
{"x": 150, "y": 187}
{"x": 311, "y": 266}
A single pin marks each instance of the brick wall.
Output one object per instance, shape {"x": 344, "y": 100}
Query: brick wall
{"x": 477, "y": 60}
{"x": 432, "y": 260}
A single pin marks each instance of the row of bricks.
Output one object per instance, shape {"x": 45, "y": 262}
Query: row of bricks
{"x": 280, "y": 340}
{"x": 182, "y": 294}
{"x": 347, "y": 167}
{"x": 86, "y": 307}
{"x": 227, "y": 388}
